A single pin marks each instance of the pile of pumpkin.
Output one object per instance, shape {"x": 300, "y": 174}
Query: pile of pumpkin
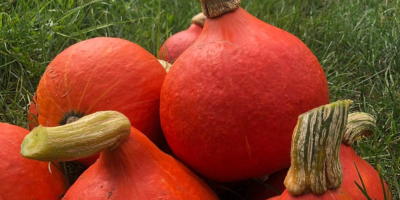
{"x": 244, "y": 105}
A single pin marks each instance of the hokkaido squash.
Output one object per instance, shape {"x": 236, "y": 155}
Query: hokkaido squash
{"x": 230, "y": 102}
{"x": 25, "y": 179}
{"x": 103, "y": 74}
{"x": 338, "y": 194}
{"x": 354, "y": 166}
{"x": 130, "y": 165}
{"x": 315, "y": 171}
{"x": 175, "y": 45}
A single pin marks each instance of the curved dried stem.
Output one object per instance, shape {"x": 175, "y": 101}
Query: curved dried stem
{"x": 89, "y": 135}
{"x": 315, "y": 165}
{"x": 358, "y": 124}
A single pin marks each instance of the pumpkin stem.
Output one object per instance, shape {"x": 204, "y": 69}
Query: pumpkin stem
{"x": 89, "y": 135}
{"x": 315, "y": 164}
{"x": 358, "y": 124}
{"x": 215, "y": 8}
{"x": 165, "y": 64}
{"x": 199, "y": 19}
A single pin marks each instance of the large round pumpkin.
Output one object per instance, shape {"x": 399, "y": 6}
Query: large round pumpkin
{"x": 24, "y": 179}
{"x": 102, "y": 74}
{"x": 230, "y": 102}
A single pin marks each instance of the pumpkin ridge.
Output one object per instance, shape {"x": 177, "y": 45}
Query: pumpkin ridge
{"x": 85, "y": 89}
{"x": 65, "y": 79}
{"x": 147, "y": 101}
{"x": 111, "y": 87}
{"x": 86, "y": 85}
{"x": 90, "y": 78}
{"x": 62, "y": 80}
{"x": 48, "y": 96}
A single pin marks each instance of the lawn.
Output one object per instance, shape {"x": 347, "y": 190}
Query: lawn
{"x": 357, "y": 43}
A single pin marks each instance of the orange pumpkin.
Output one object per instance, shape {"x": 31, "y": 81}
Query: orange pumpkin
{"x": 338, "y": 194}
{"x": 130, "y": 165}
{"x": 103, "y": 74}
{"x": 315, "y": 171}
{"x": 148, "y": 174}
{"x": 25, "y": 179}
{"x": 230, "y": 102}
{"x": 175, "y": 45}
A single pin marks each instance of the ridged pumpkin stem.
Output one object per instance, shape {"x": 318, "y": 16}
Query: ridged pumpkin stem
{"x": 89, "y": 135}
{"x": 315, "y": 164}
{"x": 215, "y": 8}
{"x": 358, "y": 124}
{"x": 199, "y": 19}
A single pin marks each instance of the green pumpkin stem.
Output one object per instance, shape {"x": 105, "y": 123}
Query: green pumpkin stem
{"x": 315, "y": 165}
{"x": 358, "y": 124}
{"x": 89, "y": 135}
{"x": 215, "y": 8}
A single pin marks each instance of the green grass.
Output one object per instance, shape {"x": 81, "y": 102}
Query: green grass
{"x": 356, "y": 41}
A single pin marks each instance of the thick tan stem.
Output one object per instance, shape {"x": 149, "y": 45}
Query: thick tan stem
{"x": 358, "y": 124}
{"x": 89, "y": 135}
{"x": 315, "y": 165}
{"x": 215, "y": 8}
{"x": 199, "y": 19}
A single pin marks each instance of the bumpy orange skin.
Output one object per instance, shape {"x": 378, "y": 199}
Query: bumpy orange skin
{"x": 103, "y": 74}
{"x": 21, "y": 178}
{"x": 174, "y": 46}
{"x": 369, "y": 175}
{"x": 138, "y": 170}
{"x": 338, "y": 194}
{"x": 230, "y": 102}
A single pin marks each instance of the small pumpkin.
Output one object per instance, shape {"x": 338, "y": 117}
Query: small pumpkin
{"x": 230, "y": 102}
{"x": 103, "y": 74}
{"x": 175, "y": 45}
{"x": 354, "y": 166}
{"x": 21, "y": 178}
{"x": 315, "y": 171}
{"x": 130, "y": 165}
